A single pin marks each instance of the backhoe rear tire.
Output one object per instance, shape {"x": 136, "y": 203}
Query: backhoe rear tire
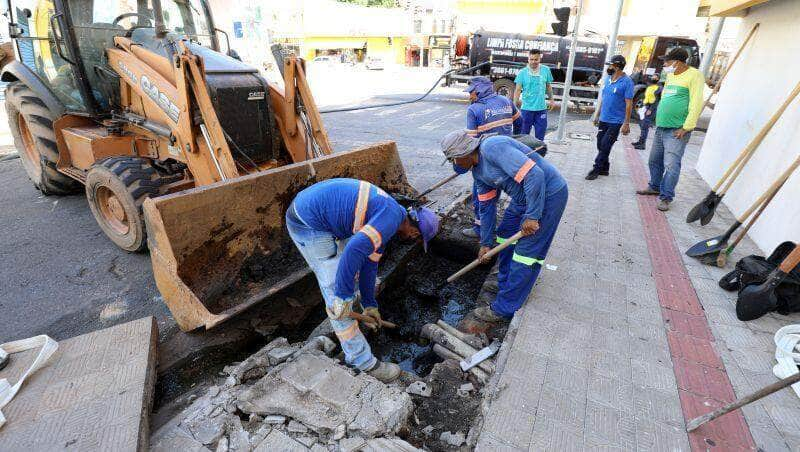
{"x": 116, "y": 189}
{"x": 31, "y": 124}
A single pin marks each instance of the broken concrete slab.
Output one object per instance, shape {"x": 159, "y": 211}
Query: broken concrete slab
{"x": 277, "y": 440}
{"x": 96, "y": 393}
{"x": 256, "y": 365}
{"x": 388, "y": 445}
{"x": 321, "y": 394}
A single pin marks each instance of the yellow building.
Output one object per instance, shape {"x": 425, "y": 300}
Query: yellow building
{"x": 522, "y": 16}
{"x": 390, "y": 48}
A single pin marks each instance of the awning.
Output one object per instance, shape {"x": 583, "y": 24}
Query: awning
{"x": 331, "y": 44}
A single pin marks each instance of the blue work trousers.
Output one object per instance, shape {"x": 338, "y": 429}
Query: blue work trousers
{"x": 607, "y": 134}
{"x": 666, "y": 154}
{"x": 520, "y": 264}
{"x": 322, "y": 251}
{"x": 536, "y": 120}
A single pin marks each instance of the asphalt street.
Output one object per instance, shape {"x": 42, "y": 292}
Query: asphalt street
{"x": 62, "y": 277}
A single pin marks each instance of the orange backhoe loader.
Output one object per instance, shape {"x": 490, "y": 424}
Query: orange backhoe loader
{"x": 134, "y": 100}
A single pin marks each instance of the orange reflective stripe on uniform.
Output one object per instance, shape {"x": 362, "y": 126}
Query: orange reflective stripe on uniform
{"x": 471, "y": 132}
{"x": 349, "y": 332}
{"x": 361, "y": 205}
{"x": 374, "y": 236}
{"x": 523, "y": 171}
{"x": 493, "y": 124}
{"x": 375, "y": 257}
{"x": 516, "y": 115}
{"x": 489, "y": 195}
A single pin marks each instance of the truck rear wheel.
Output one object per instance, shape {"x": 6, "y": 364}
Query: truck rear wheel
{"x": 31, "y": 124}
{"x": 504, "y": 87}
{"x": 116, "y": 189}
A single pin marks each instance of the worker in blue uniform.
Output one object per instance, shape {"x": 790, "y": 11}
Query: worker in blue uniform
{"x": 341, "y": 227}
{"x": 538, "y": 195}
{"x": 488, "y": 113}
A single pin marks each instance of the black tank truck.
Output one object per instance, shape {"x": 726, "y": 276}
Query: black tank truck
{"x": 505, "y": 54}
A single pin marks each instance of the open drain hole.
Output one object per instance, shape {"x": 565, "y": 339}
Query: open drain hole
{"x": 419, "y": 297}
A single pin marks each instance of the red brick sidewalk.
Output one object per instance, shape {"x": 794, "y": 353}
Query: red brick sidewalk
{"x": 703, "y": 383}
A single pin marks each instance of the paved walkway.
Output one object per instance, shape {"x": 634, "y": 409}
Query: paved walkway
{"x": 627, "y": 338}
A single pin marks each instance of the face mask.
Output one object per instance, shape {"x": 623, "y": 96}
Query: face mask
{"x": 610, "y": 71}
{"x": 669, "y": 69}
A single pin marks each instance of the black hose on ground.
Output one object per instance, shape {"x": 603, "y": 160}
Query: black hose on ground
{"x": 394, "y": 104}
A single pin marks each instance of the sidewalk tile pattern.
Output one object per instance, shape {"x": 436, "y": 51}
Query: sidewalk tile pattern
{"x": 703, "y": 384}
{"x": 628, "y": 337}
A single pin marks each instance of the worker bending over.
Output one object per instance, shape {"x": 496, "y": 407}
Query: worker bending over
{"x": 538, "y": 195}
{"x": 341, "y": 227}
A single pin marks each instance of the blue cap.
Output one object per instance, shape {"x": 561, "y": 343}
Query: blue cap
{"x": 427, "y": 222}
{"x": 476, "y": 83}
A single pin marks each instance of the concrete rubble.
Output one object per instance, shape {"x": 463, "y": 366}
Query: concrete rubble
{"x": 291, "y": 397}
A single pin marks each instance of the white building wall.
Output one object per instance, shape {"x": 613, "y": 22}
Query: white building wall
{"x": 757, "y": 84}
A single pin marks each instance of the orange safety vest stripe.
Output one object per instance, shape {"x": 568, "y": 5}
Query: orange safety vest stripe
{"x": 523, "y": 171}
{"x": 361, "y": 206}
{"x": 489, "y": 195}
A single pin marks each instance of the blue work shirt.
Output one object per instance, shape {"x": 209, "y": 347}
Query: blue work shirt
{"x": 612, "y": 107}
{"x": 491, "y": 113}
{"x": 534, "y": 87}
{"x": 332, "y": 206}
{"x": 506, "y": 165}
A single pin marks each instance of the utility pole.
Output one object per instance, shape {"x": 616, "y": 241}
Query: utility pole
{"x": 562, "y": 114}
{"x": 612, "y": 49}
{"x": 612, "y": 38}
{"x": 711, "y": 46}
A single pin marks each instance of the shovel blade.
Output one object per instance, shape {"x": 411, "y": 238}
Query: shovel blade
{"x": 712, "y": 209}
{"x": 706, "y": 247}
{"x": 704, "y": 210}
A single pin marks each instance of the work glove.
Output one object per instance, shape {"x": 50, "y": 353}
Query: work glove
{"x": 341, "y": 308}
{"x": 374, "y": 313}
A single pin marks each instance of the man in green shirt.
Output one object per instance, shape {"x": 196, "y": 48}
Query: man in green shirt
{"x": 533, "y": 89}
{"x": 680, "y": 106}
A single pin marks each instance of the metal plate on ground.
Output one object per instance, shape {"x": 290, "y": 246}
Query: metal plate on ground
{"x": 580, "y": 136}
{"x": 95, "y": 394}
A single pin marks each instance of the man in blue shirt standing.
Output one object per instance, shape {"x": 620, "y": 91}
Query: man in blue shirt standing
{"x": 615, "y": 114}
{"x": 534, "y": 86}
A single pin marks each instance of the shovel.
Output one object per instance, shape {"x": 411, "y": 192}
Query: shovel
{"x": 705, "y": 209}
{"x": 709, "y": 250}
{"x": 764, "y": 293}
{"x": 438, "y": 184}
{"x": 722, "y": 258}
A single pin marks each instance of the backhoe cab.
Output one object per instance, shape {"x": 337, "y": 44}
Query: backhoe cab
{"x": 133, "y": 99}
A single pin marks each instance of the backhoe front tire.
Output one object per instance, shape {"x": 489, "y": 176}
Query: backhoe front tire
{"x": 31, "y": 124}
{"x": 116, "y": 189}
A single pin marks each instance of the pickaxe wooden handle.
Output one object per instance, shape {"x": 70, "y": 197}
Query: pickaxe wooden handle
{"x": 510, "y": 241}
{"x": 695, "y": 423}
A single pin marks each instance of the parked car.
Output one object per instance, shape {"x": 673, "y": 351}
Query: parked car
{"x": 374, "y": 63}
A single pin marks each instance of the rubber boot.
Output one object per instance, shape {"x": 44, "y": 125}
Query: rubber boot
{"x": 385, "y": 372}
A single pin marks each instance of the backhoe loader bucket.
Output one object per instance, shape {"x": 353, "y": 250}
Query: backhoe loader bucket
{"x": 220, "y": 249}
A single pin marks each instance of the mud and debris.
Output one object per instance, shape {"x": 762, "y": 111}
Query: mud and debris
{"x": 421, "y": 297}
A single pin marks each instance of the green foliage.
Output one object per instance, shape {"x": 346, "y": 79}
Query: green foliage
{"x": 378, "y": 3}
